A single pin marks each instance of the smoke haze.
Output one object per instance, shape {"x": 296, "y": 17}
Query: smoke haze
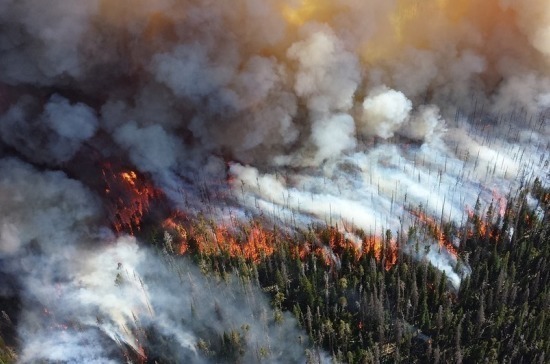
{"x": 301, "y": 111}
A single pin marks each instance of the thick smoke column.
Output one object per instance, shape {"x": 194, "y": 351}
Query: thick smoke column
{"x": 301, "y": 111}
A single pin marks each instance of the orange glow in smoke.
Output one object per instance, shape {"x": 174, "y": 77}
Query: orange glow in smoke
{"x": 402, "y": 23}
{"x": 307, "y": 10}
{"x": 501, "y": 202}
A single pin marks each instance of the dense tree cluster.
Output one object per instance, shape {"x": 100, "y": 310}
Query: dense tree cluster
{"x": 378, "y": 304}
{"x": 359, "y": 309}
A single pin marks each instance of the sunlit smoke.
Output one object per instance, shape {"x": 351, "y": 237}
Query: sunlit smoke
{"x": 365, "y": 115}
{"x": 91, "y": 297}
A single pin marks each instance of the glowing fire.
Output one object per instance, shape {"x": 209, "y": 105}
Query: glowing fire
{"x": 129, "y": 177}
{"x": 256, "y": 244}
{"x": 129, "y": 197}
{"x": 436, "y": 231}
{"x": 382, "y": 250}
{"x": 481, "y": 226}
{"x": 174, "y": 225}
{"x": 375, "y": 244}
{"x": 501, "y": 202}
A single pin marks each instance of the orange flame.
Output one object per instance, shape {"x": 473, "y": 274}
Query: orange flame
{"x": 306, "y": 249}
{"x": 375, "y": 244}
{"x": 257, "y": 243}
{"x": 481, "y": 226}
{"x": 501, "y": 202}
{"x": 436, "y": 231}
{"x": 129, "y": 197}
{"x": 254, "y": 243}
{"x": 129, "y": 177}
{"x": 174, "y": 224}
{"x": 391, "y": 255}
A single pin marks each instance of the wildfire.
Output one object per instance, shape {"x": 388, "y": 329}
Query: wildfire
{"x": 175, "y": 225}
{"x": 436, "y": 231}
{"x": 256, "y": 244}
{"x": 482, "y": 227}
{"x": 501, "y": 202}
{"x": 375, "y": 244}
{"x": 382, "y": 250}
{"x": 391, "y": 255}
{"x": 129, "y": 198}
{"x": 131, "y": 194}
{"x": 129, "y": 177}
{"x": 304, "y": 250}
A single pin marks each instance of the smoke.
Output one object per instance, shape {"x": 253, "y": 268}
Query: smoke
{"x": 348, "y": 112}
{"x": 327, "y": 74}
{"x": 333, "y": 136}
{"x": 63, "y": 128}
{"x": 87, "y": 295}
{"x": 384, "y": 111}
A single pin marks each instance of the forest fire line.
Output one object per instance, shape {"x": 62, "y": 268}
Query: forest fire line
{"x": 383, "y": 250}
{"x": 131, "y": 196}
{"x": 256, "y": 243}
{"x": 124, "y": 123}
{"x": 481, "y": 227}
{"x": 436, "y": 231}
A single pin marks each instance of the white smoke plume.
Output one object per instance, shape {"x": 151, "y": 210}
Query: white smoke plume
{"x": 87, "y": 295}
{"x": 384, "y": 111}
{"x": 348, "y": 112}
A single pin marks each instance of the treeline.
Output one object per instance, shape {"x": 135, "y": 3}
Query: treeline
{"x": 376, "y": 304}
{"x": 360, "y": 309}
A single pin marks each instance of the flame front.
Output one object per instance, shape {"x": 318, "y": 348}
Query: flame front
{"x": 436, "y": 231}
{"x": 129, "y": 198}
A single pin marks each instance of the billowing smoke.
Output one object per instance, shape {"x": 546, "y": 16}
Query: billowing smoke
{"x": 87, "y": 295}
{"x": 348, "y": 112}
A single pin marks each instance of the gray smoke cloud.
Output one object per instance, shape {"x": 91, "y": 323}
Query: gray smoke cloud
{"x": 62, "y": 127}
{"x": 304, "y": 111}
{"x": 87, "y": 295}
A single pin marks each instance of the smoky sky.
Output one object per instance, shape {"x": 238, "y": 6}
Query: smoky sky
{"x": 348, "y": 112}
